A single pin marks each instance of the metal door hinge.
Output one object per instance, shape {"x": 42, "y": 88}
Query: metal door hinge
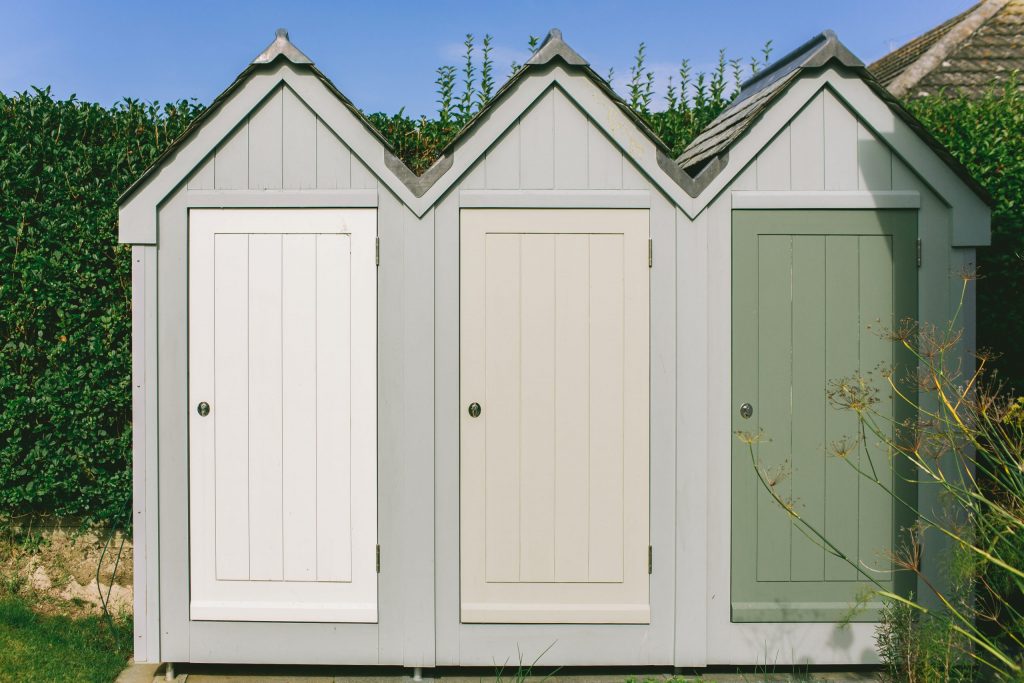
{"x": 650, "y": 253}
{"x": 650, "y": 559}
{"x": 378, "y": 558}
{"x": 919, "y": 252}
{"x": 377, "y": 251}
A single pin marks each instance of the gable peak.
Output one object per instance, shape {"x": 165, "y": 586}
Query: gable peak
{"x": 282, "y": 46}
{"x": 554, "y": 46}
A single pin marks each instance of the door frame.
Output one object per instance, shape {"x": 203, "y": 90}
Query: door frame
{"x": 780, "y": 643}
{"x": 183, "y": 640}
{"x": 459, "y": 644}
{"x": 355, "y": 600}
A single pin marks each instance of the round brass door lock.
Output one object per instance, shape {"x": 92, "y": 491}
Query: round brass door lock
{"x": 474, "y": 409}
{"x": 203, "y": 409}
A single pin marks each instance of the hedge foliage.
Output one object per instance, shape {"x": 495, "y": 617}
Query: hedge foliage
{"x": 65, "y": 437}
{"x": 987, "y": 136}
{"x": 65, "y": 444}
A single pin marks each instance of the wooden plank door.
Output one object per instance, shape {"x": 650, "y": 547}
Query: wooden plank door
{"x": 554, "y": 469}
{"x": 282, "y": 464}
{"x": 814, "y": 294}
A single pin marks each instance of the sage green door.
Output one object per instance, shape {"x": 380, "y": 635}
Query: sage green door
{"x": 814, "y": 293}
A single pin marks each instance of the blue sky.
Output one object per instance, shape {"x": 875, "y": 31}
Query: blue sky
{"x": 383, "y": 54}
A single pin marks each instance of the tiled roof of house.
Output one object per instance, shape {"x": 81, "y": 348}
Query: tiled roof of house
{"x": 963, "y": 55}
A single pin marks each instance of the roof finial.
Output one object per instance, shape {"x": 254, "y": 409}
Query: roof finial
{"x": 554, "y": 46}
{"x": 282, "y": 46}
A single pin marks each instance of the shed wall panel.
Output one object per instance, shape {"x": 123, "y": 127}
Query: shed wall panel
{"x": 570, "y": 134}
{"x": 841, "y": 171}
{"x": 537, "y": 145}
{"x": 874, "y": 161}
{"x": 333, "y": 160}
{"x": 604, "y": 161}
{"x": 773, "y": 163}
{"x": 202, "y": 178}
{"x": 266, "y": 130}
{"x": 502, "y": 162}
{"x": 807, "y": 146}
{"x": 298, "y": 143}
{"x": 231, "y": 167}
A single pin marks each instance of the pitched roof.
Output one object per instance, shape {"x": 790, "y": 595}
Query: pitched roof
{"x": 761, "y": 90}
{"x": 963, "y": 55}
{"x": 756, "y": 93}
{"x": 551, "y": 48}
{"x": 280, "y": 48}
{"x": 694, "y": 170}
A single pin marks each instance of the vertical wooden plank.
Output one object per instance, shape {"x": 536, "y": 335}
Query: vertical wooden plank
{"x": 874, "y": 168}
{"x": 809, "y": 405}
{"x": 502, "y": 403}
{"x": 570, "y": 134}
{"x": 537, "y": 429}
{"x": 202, "y": 178}
{"x": 572, "y": 396}
{"x": 448, "y": 410}
{"x": 230, "y": 405}
{"x": 876, "y": 317}
{"x": 773, "y": 163}
{"x": 298, "y": 316}
{"x": 692, "y": 398}
{"x": 231, "y": 164}
{"x": 902, "y": 177}
{"x": 298, "y": 130}
{"x": 361, "y": 177}
{"x": 774, "y": 373}
{"x": 392, "y": 308}
{"x": 607, "y": 318}
{"x": 333, "y": 160}
{"x": 502, "y": 162}
{"x": 418, "y": 646}
{"x": 333, "y": 408}
{"x": 631, "y": 177}
{"x": 842, "y": 360}
{"x": 537, "y": 145}
{"x": 265, "y": 143}
{"x": 265, "y": 528}
{"x": 140, "y": 521}
{"x": 475, "y": 178}
{"x": 840, "y": 146}
{"x": 604, "y": 160}
{"x": 807, "y": 146}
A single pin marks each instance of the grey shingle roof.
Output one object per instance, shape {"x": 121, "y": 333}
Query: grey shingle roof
{"x": 757, "y": 92}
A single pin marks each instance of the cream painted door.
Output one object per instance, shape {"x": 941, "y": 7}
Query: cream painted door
{"x": 282, "y": 465}
{"x": 554, "y": 469}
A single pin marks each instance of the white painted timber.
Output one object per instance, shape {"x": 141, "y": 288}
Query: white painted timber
{"x": 811, "y": 199}
{"x": 283, "y": 469}
{"x": 555, "y": 347}
{"x": 283, "y": 199}
{"x": 555, "y": 199}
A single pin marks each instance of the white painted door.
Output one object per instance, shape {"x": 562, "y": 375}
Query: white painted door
{"x": 283, "y": 467}
{"x": 554, "y": 470}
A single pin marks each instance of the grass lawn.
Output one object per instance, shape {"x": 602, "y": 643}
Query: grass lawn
{"x": 39, "y": 647}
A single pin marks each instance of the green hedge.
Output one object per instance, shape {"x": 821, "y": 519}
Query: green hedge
{"x": 987, "y": 135}
{"x": 65, "y": 444}
{"x": 65, "y": 408}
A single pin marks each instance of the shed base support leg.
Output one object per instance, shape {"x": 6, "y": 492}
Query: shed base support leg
{"x": 417, "y": 675}
{"x": 169, "y": 671}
